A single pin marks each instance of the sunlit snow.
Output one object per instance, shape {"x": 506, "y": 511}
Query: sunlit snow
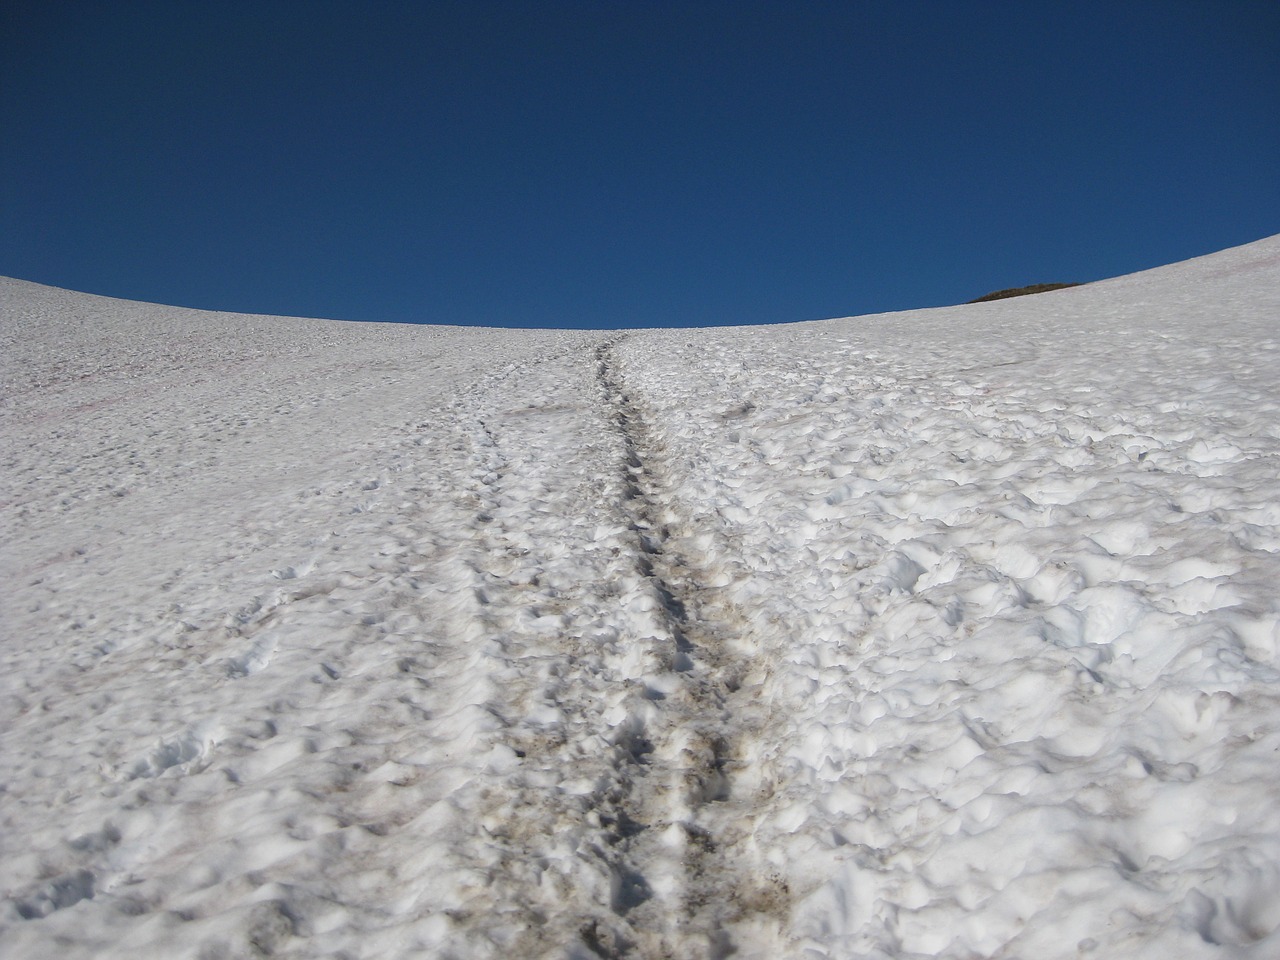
{"x": 952, "y": 633}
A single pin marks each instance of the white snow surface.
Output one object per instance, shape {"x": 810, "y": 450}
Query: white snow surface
{"x": 949, "y": 633}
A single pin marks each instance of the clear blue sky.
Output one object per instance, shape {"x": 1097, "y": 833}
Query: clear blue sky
{"x": 626, "y": 164}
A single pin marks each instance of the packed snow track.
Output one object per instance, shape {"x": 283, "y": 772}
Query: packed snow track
{"x": 953, "y": 633}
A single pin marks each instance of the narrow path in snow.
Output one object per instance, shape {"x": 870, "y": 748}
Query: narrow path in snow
{"x": 704, "y": 882}
{"x": 544, "y": 853}
{"x": 567, "y": 624}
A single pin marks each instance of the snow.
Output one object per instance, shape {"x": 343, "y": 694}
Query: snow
{"x": 950, "y": 633}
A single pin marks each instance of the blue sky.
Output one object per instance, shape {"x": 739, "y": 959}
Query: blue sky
{"x": 612, "y": 164}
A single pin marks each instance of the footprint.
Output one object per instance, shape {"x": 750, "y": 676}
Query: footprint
{"x": 295, "y": 571}
{"x": 57, "y": 894}
{"x": 257, "y": 657}
{"x": 192, "y": 745}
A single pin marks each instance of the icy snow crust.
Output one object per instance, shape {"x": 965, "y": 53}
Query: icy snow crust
{"x": 941, "y": 634}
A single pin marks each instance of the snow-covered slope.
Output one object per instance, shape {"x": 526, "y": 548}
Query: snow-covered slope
{"x": 949, "y": 633}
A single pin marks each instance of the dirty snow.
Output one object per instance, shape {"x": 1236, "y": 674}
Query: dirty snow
{"x": 952, "y": 633}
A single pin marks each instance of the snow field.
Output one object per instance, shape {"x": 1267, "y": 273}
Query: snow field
{"x": 944, "y": 634}
{"x": 1021, "y": 622}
